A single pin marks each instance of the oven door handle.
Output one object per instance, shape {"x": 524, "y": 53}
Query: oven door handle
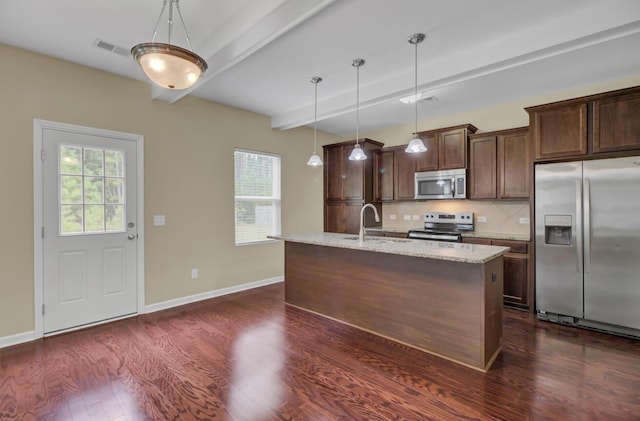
{"x": 435, "y": 237}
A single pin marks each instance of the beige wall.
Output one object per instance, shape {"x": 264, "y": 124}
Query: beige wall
{"x": 502, "y": 217}
{"x": 188, "y": 178}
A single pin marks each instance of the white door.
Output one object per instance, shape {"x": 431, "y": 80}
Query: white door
{"x": 90, "y": 228}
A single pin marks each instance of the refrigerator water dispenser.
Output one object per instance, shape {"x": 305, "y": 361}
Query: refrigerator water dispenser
{"x": 557, "y": 230}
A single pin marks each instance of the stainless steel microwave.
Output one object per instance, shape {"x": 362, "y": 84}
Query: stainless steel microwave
{"x": 447, "y": 184}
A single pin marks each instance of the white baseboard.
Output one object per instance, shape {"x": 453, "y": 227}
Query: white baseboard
{"x": 18, "y": 338}
{"x": 210, "y": 294}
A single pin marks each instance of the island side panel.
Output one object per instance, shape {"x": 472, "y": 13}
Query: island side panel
{"x": 435, "y": 305}
{"x": 493, "y": 309}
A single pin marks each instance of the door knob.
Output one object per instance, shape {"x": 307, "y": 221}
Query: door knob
{"x": 131, "y": 236}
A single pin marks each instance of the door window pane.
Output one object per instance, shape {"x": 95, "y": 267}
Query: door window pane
{"x": 113, "y": 163}
{"x": 92, "y": 190}
{"x": 70, "y": 189}
{"x": 71, "y": 219}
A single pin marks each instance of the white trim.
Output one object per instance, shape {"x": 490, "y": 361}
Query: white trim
{"x": 18, "y": 338}
{"x": 211, "y": 294}
{"x": 38, "y": 209}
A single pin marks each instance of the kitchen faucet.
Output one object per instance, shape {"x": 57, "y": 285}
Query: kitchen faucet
{"x": 375, "y": 211}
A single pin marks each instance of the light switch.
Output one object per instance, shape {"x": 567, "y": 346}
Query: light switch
{"x": 482, "y": 219}
{"x": 158, "y": 220}
{"x": 524, "y": 221}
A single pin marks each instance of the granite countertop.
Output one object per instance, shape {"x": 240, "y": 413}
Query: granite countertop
{"x": 457, "y": 252}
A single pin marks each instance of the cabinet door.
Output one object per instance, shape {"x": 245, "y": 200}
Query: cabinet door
{"x": 515, "y": 279}
{"x": 333, "y": 172}
{"x": 353, "y": 183}
{"x": 452, "y": 149}
{"x": 514, "y": 167}
{"x": 404, "y": 168}
{"x": 616, "y": 123}
{"x": 561, "y": 131}
{"x": 351, "y": 212}
{"x": 428, "y": 161}
{"x": 383, "y": 175}
{"x": 482, "y": 168}
{"x": 334, "y": 217}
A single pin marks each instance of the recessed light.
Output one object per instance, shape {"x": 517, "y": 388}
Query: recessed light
{"x": 420, "y": 97}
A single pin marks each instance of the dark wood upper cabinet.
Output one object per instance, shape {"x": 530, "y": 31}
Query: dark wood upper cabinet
{"x": 616, "y": 123}
{"x": 428, "y": 161}
{"x": 333, "y": 172}
{"x": 395, "y": 168}
{"x": 499, "y": 164}
{"x": 601, "y": 125}
{"x": 347, "y": 185}
{"x": 482, "y": 167}
{"x": 560, "y": 131}
{"x": 404, "y": 170}
{"x": 452, "y": 151}
{"x": 514, "y": 164}
{"x": 383, "y": 175}
{"x": 446, "y": 148}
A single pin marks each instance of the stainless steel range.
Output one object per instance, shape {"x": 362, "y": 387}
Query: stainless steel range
{"x": 442, "y": 226}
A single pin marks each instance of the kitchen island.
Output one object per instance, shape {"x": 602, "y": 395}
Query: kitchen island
{"x": 442, "y": 298}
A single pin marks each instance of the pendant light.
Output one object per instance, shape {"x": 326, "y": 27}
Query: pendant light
{"x": 168, "y": 65}
{"x": 357, "y": 154}
{"x": 314, "y": 160}
{"x": 416, "y": 145}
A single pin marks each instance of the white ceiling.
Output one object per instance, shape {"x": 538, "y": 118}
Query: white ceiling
{"x": 261, "y": 54}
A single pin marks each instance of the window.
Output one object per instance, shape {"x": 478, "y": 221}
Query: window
{"x": 91, "y": 190}
{"x": 257, "y": 196}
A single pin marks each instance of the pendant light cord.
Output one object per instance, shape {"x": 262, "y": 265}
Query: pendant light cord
{"x": 357, "y": 104}
{"x": 415, "y": 93}
{"x": 315, "y": 116}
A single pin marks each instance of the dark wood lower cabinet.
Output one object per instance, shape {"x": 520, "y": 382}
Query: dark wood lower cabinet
{"x": 344, "y": 217}
{"x": 515, "y": 285}
{"x": 517, "y": 282}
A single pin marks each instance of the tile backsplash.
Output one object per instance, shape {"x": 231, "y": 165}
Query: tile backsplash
{"x": 501, "y": 216}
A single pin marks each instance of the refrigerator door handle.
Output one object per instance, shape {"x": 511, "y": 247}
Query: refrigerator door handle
{"x": 587, "y": 226}
{"x": 578, "y": 226}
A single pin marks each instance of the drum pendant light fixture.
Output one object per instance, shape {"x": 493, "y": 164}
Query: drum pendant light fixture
{"x": 416, "y": 145}
{"x": 168, "y": 65}
{"x": 314, "y": 160}
{"x": 357, "y": 154}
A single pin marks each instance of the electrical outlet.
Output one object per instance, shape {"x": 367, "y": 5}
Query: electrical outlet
{"x": 406, "y": 217}
{"x": 392, "y": 216}
{"x": 524, "y": 221}
{"x": 482, "y": 219}
{"x": 194, "y": 273}
{"x": 415, "y": 217}
{"x": 158, "y": 220}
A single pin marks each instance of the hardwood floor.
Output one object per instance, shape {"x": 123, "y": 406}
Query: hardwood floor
{"x": 248, "y": 357}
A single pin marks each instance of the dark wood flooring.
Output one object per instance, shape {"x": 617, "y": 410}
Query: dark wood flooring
{"x": 249, "y": 357}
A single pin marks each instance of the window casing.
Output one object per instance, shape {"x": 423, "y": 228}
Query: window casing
{"x": 257, "y": 196}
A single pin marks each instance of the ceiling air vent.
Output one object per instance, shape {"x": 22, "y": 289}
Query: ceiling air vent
{"x": 111, "y": 47}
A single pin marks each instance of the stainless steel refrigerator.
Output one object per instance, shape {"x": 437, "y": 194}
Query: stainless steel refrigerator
{"x": 587, "y": 227}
